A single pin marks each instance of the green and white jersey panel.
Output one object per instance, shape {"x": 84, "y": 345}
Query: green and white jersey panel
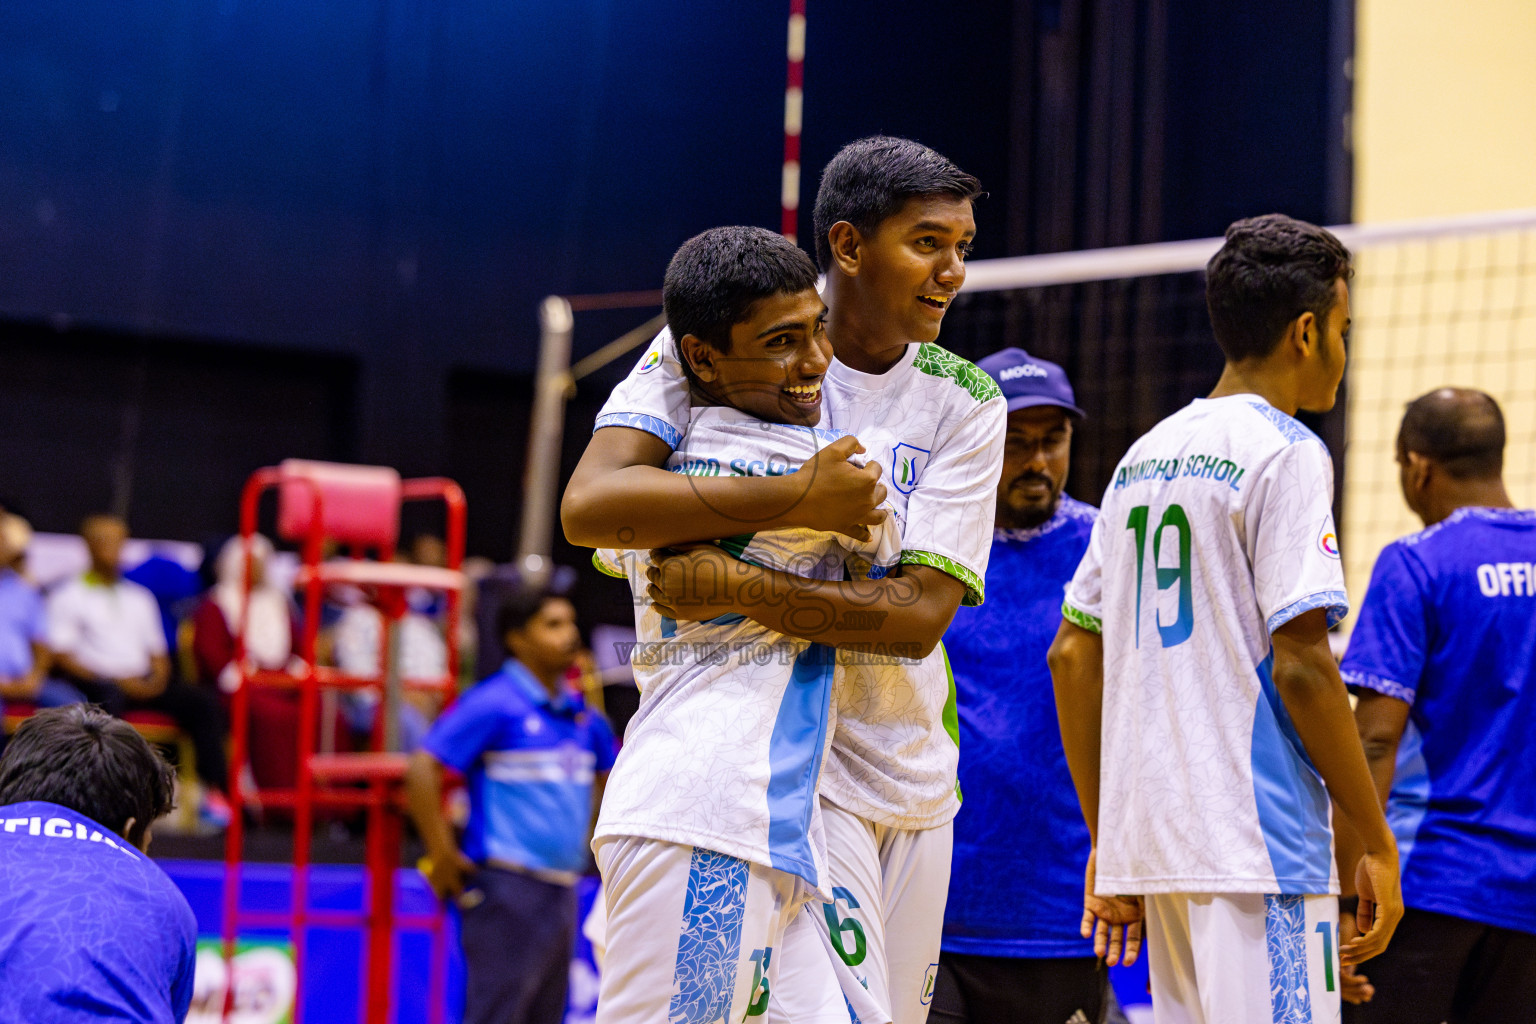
{"x": 1216, "y": 531}
{"x": 937, "y": 423}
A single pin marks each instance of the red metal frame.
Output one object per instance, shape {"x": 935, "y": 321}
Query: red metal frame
{"x": 379, "y": 771}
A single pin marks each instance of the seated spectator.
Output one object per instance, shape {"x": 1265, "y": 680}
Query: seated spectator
{"x": 90, "y": 928}
{"x": 23, "y": 631}
{"x": 358, "y": 648}
{"x": 109, "y": 648}
{"x": 269, "y": 633}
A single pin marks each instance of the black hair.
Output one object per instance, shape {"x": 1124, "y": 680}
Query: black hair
{"x": 1270, "y": 270}
{"x": 1460, "y": 429}
{"x": 872, "y": 179}
{"x": 716, "y": 277}
{"x": 520, "y": 606}
{"x": 80, "y": 757}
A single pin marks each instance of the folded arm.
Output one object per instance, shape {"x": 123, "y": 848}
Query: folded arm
{"x": 903, "y": 615}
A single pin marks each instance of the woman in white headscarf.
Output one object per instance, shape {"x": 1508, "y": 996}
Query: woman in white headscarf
{"x": 269, "y": 631}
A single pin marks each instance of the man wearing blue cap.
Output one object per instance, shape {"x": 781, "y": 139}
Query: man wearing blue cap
{"x": 1011, "y": 948}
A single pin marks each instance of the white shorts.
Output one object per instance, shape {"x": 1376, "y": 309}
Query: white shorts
{"x": 887, "y": 919}
{"x": 1243, "y": 958}
{"x": 698, "y": 937}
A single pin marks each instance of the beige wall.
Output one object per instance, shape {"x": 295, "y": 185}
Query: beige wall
{"x": 1445, "y": 107}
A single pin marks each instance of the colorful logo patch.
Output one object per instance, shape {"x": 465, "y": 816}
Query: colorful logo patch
{"x": 907, "y": 465}
{"x": 928, "y": 982}
{"x": 651, "y": 361}
{"x": 1328, "y": 541}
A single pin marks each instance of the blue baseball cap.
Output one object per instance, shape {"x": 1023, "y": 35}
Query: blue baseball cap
{"x": 1027, "y": 381}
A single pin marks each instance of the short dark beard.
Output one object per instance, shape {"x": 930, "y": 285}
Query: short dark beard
{"x": 1028, "y": 519}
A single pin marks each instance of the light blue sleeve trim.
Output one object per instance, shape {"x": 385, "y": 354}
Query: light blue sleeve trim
{"x": 1381, "y": 684}
{"x": 1290, "y": 428}
{"x": 640, "y": 421}
{"x": 1336, "y": 601}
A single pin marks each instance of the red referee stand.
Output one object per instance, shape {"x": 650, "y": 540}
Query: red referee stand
{"x": 324, "y": 506}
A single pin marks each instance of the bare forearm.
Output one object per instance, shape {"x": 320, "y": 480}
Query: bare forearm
{"x": 1379, "y": 721}
{"x": 1076, "y": 660}
{"x": 424, "y": 801}
{"x": 647, "y": 507}
{"x": 19, "y": 688}
{"x": 68, "y": 665}
{"x": 599, "y": 786}
{"x": 901, "y": 616}
{"x": 42, "y": 660}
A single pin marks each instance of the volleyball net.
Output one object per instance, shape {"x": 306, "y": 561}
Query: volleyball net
{"x": 1439, "y": 302}
{"x": 1435, "y": 303}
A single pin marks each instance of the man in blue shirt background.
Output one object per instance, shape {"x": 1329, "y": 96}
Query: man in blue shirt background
{"x": 24, "y": 655}
{"x": 1011, "y": 949}
{"x": 1442, "y": 658}
{"x": 90, "y": 927}
{"x": 534, "y": 760}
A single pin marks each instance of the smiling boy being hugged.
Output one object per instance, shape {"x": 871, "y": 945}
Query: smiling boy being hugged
{"x": 710, "y": 840}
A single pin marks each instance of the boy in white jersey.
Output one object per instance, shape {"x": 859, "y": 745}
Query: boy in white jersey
{"x": 894, "y": 224}
{"x": 709, "y": 839}
{"x": 1204, "y": 720}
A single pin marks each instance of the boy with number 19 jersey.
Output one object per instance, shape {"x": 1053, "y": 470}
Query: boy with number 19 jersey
{"x": 1216, "y": 531}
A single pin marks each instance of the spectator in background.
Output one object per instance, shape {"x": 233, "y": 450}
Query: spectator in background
{"x": 90, "y": 928}
{"x": 109, "y": 645}
{"x": 269, "y": 632}
{"x": 358, "y": 649}
{"x": 535, "y": 760}
{"x": 24, "y": 655}
{"x": 1011, "y": 949}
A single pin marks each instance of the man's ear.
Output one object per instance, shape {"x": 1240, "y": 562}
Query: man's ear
{"x": 847, "y": 247}
{"x": 1305, "y": 334}
{"x": 700, "y": 356}
{"x": 143, "y": 844}
{"x": 1420, "y": 471}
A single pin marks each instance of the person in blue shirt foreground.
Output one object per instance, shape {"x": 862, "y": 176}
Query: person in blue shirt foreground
{"x": 1011, "y": 948}
{"x": 90, "y": 928}
{"x": 535, "y": 760}
{"x": 1442, "y": 659}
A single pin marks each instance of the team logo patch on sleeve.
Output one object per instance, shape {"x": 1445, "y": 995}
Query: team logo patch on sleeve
{"x": 907, "y": 465}
{"x": 651, "y": 360}
{"x": 1327, "y": 540}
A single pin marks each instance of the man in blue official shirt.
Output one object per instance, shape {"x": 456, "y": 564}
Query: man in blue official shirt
{"x": 1443, "y": 657}
{"x": 90, "y": 928}
{"x": 1011, "y": 950}
{"x": 535, "y": 761}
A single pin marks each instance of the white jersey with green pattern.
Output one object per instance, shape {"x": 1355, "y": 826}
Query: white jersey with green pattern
{"x": 1216, "y": 531}
{"x": 935, "y": 423}
{"x": 726, "y": 750}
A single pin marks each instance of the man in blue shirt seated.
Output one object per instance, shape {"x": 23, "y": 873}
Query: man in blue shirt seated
{"x": 1011, "y": 949}
{"x": 90, "y": 927}
{"x": 1443, "y": 658}
{"x": 24, "y": 655}
{"x": 535, "y": 760}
